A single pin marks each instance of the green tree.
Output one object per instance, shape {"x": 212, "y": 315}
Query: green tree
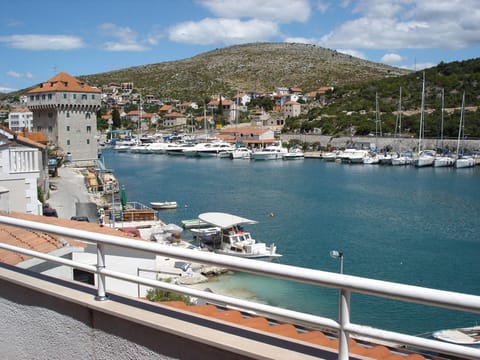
{"x": 117, "y": 122}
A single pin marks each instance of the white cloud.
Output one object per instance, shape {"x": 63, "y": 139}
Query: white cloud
{"x": 4, "y": 89}
{"x": 18, "y": 75}
{"x": 354, "y": 53}
{"x": 322, "y": 6}
{"x": 227, "y": 31}
{"x": 282, "y": 11}
{"x": 300, "y": 40}
{"x": 43, "y": 42}
{"x": 402, "y": 24}
{"x": 126, "y": 38}
{"x": 391, "y": 58}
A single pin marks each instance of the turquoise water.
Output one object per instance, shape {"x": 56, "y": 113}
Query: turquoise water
{"x": 401, "y": 224}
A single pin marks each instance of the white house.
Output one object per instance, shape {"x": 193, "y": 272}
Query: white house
{"x": 20, "y": 119}
{"x": 23, "y": 168}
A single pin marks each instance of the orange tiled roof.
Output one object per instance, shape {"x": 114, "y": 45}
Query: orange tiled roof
{"x": 20, "y": 110}
{"x": 43, "y": 242}
{"x": 33, "y": 138}
{"x": 165, "y": 107}
{"x": 174, "y": 115}
{"x": 63, "y": 82}
{"x": 369, "y": 350}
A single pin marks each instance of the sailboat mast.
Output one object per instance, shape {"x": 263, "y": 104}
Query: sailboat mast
{"x": 443, "y": 110}
{"x": 422, "y": 125}
{"x": 376, "y": 121}
{"x": 398, "y": 125}
{"x": 461, "y": 128}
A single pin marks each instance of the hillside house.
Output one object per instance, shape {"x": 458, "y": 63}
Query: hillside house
{"x": 292, "y": 109}
{"x": 252, "y": 136}
{"x": 174, "y": 119}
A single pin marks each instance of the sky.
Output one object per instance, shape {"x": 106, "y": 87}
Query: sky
{"x": 39, "y": 39}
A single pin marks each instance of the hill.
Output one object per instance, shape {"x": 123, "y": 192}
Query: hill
{"x": 259, "y": 66}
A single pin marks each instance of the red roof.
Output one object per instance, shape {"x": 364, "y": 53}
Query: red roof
{"x": 63, "y": 82}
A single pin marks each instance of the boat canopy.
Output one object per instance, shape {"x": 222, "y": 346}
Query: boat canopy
{"x": 224, "y": 220}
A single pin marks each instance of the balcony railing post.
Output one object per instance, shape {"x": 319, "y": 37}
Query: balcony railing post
{"x": 344, "y": 319}
{"x": 101, "y": 295}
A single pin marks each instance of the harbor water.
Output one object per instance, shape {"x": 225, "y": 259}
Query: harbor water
{"x": 400, "y": 224}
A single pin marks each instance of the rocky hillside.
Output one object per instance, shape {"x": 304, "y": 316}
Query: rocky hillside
{"x": 259, "y": 66}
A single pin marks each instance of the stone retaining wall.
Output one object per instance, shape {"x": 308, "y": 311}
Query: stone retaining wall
{"x": 398, "y": 144}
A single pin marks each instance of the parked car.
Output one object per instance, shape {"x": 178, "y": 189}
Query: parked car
{"x": 80, "y": 218}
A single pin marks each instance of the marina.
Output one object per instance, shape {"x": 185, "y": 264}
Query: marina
{"x": 396, "y": 223}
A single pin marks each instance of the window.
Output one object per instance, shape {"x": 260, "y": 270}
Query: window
{"x": 84, "y": 96}
{"x": 43, "y": 97}
{"x": 50, "y": 114}
{"x": 64, "y": 95}
{"x": 68, "y": 142}
{"x": 88, "y": 141}
{"x": 88, "y": 115}
{"x": 50, "y": 129}
{"x": 49, "y": 96}
{"x": 68, "y": 114}
{"x": 93, "y": 96}
{"x": 74, "y": 96}
{"x": 68, "y": 127}
{"x": 89, "y": 129}
{"x": 83, "y": 276}
{"x": 32, "y": 97}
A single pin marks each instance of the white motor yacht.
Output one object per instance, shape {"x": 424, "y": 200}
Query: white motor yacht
{"x": 271, "y": 152}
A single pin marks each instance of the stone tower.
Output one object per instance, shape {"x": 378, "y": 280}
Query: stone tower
{"x": 65, "y": 110}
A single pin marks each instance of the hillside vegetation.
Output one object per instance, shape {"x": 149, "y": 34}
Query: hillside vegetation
{"x": 260, "y": 67}
{"x": 351, "y": 107}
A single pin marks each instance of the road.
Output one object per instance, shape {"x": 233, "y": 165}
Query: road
{"x": 71, "y": 197}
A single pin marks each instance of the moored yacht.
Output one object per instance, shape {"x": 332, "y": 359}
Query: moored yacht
{"x": 443, "y": 161}
{"x": 271, "y": 152}
{"x": 425, "y": 158}
{"x": 241, "y": 153}
{"x": 232, "y": 239}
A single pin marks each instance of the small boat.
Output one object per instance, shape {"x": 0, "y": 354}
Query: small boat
{"x": 232, "y": 239}
{"x": 461, "y": 336}
{"x": 443, "y": 161}
{"x": 271, "y": 152}
{"x": 194, "y": 223}
{"x": 329, "y": 156}
{"x": 294, "y": 154}
{"x": 163, "y": 204}
{"x": 371, "y": 159}
{"x": 425, "y": 158}
{"x": 205, "y": 234}
{"x": 241, "y": 153}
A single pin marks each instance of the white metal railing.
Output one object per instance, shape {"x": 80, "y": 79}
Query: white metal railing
{"x": 344, "y": 283}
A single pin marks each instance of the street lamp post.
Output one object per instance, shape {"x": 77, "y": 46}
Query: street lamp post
{"x": 335, "y": 254}
{"x": 343, "y": 311}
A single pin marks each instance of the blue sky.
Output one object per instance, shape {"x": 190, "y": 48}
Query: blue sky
{"x": 41, "y": 38}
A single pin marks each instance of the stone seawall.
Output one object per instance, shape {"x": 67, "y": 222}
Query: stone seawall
{"x": 397, "y": 144}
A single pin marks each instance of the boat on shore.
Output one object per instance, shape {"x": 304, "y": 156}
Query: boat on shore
{"x": 227, "y": 237}
{"x": 461, "y": 336}
{"x": 158, "y": 205}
